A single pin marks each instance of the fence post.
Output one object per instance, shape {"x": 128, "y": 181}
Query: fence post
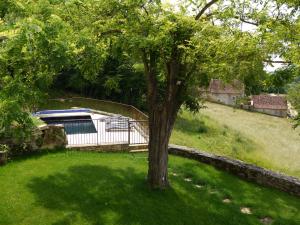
{"x": 97, "y": 129}
{"x": 128, "y": 131}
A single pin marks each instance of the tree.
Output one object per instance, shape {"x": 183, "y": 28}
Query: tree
{"x": 29, "y": 60}
{"x": 177, "y": 46}
{"x": 120, "y": 79}
{"x": 278, "y": 80}
{"x": 176, "y": 49}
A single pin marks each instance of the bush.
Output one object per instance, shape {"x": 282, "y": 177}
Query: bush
{"x": 15, "y": 122}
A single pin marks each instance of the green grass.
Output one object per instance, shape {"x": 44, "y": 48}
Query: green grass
{"x": 264, "y": 140}
{"x": 201, "y": 132}
{"x": 110, "y": 188}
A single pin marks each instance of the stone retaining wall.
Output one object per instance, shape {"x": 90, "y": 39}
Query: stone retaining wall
{"x": 244, "y": 170}
{"x": 53, "y": 136}
{"x": 42, "y": 137}
{"x": 110, "y": 148}
{"x": 3, "y": 157}
{"x": 103, "y": 148}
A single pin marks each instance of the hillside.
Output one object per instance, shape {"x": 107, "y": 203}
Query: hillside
{"x": 253, "y": 137}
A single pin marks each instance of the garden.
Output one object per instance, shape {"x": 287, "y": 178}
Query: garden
{"x": 71, "y": 187}
{"x": 151, "y": 61}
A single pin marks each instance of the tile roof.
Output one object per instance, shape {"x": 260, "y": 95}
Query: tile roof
{"x": 218, "y": 87}
{"x": 269, "y": 102}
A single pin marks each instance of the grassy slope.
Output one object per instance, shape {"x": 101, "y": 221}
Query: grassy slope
{"x": 109, "y": 188}
{"x": 200, "y": 131}
{"x": 257, "y": 138}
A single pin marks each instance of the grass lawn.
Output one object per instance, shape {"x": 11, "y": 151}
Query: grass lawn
{"x": 253, "y": 137}
{"x": 109, "y": 188}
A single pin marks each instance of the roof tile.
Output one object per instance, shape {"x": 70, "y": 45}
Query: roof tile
{"x": 269, "y": 102}
{"x": 218, "y": 87}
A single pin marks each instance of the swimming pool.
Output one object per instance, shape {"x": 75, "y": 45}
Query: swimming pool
{"x": 85, "y": 127}
{"x": 75, "y": 121}
{"x": 74, "y": 124}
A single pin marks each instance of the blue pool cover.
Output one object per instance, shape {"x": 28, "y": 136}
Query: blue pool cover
{"x": 82, "y": 110}
{"x": 73, "y": 124}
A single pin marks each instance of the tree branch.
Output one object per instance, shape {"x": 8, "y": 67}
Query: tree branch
{"x": 144, "y": 8}
{"x": 246, "y": 21}
{"x": 202, "y": 11}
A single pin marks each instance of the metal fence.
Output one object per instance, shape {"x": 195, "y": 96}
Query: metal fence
{"x": 110, "y": 130}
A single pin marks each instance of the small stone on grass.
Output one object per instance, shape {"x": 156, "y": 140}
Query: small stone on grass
{"x": 213, "y": 191}
{"x": 226, "y": 200}
{"x": 246, "y": 210}
{"x": 198, "y": 186}
{"x": 266, "y": 220}
{"x": 188, "y": 179}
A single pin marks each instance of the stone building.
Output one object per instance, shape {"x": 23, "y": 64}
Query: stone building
{"x": 223, "y": 93}
{"x": 275, "y": 105}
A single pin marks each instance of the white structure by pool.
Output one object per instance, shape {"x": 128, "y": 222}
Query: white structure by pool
{"x": 84, "y": 127}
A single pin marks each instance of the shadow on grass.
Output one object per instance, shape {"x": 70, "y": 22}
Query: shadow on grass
{"x": 35, "y": 154}
{"x": 263, "y": 201}
{"x": 102, "y": 195}
{"x": 192, "y": 126}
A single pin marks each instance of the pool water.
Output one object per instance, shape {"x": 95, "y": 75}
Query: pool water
{"x": 78, "y": 125}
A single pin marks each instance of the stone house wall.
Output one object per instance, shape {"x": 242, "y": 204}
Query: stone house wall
{"x": 273, "y": 112}
{"x": 227, "y": 99}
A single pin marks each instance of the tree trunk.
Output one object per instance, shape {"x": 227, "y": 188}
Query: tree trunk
{"x": 159, "y": 134}
{"x": 162, "y": 115}
{"x": 161, "y": 122}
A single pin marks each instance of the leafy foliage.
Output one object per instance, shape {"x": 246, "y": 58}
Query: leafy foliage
{"x": 278, "y": 81}
{"x": 15, "y": 120}
{"x": 119, "y": 80}
{"x": 29, "y": 60}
